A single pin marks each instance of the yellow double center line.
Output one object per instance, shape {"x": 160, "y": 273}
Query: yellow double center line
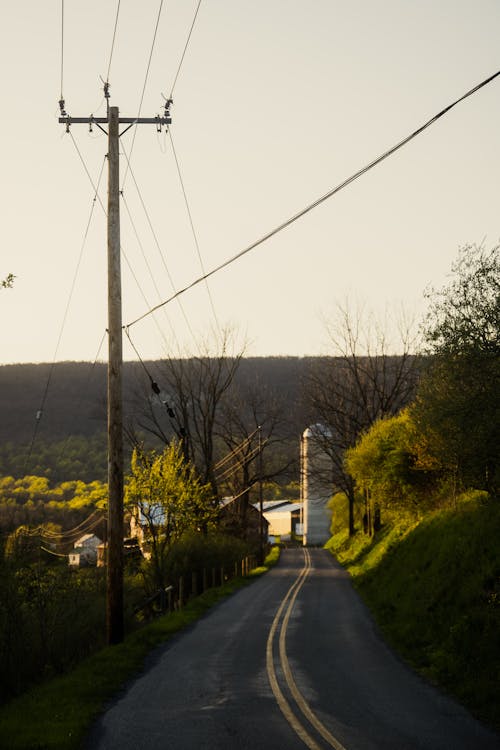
{"x": 287, "y": 711}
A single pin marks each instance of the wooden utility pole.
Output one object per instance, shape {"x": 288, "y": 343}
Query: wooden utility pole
{"x": 261, "y": 502}
{"x": 114, "y": 599}
{"x": 114, "y": 608}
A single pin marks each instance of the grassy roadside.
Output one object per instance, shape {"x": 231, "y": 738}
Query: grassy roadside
{"x": 57, "y": 714}
{"x": 434, "y": 590}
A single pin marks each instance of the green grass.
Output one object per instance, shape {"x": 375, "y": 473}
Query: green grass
{"x": 56, "y": 715}
{"x": 434, "y": 589}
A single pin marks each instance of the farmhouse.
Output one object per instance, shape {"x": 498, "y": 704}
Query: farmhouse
{"x": 84, "y": 551}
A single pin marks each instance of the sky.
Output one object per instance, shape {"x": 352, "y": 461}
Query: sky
{"x": 275, "y": 103}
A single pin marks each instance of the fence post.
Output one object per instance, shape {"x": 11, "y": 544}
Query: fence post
{"x": 194, "y": 584}
{"x": 181, "y": 591}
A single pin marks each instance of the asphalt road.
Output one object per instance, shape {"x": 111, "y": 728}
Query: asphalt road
{"x": 291, "y": 661}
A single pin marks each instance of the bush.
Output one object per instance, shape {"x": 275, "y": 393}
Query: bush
{"x": 57, "y": 611}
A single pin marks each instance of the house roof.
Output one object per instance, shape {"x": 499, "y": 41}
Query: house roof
{"x": 269, "y": 506}
{"x": 86, "y": 538}
{"x": 286, "y": 508}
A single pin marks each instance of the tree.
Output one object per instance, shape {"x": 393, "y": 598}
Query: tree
{"x": 458, "y": 402}
{"x": 362, "y": 382}
{"x": 390, "y": 465}
{"x": 166, "y": 498}
{"x": 254, "y": 430}
{"x": 464, "y": 315}
{"x": 185, "y": 404}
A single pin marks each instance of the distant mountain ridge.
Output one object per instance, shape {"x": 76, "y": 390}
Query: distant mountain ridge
{"x": 75, "y": 403}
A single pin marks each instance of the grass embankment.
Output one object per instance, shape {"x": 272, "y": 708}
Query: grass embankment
{"x": 434, "y": 590}
{"x": 57, "y": 714}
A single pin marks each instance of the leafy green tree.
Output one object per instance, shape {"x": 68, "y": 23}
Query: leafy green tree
{"x": 167, "y": 499}
{"x": 464, "y": 316}
{"x": 458, "y": 401}
{"x": 391, "y": 466}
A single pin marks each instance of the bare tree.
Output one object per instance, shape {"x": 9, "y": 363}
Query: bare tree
{"x": 370, "y": 374}
{"x": 185, "y": 402}
{"x": 254, "y": 430}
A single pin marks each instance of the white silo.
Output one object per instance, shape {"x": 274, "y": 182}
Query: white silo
{"x": 316, "y": 476}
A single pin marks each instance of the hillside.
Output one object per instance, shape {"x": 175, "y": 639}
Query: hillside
{"x": 76, "y": 393}
{"x": 71, "y": 432}
{"x": 434, "y": 589}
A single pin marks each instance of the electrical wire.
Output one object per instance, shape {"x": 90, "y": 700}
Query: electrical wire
{"x": 113, "y": 41}
{"x": 96, "y": 516}
{"x": 239, "y": 447}
{"x": 184, "y": 51}
{"x": 195, "y": 237}
{"x": 141, "y": 291}
{"x": 51, "y": 552}
{"x": 53, "y": 535}
{"x": 157, "y": 243}
{"x": 63, "y": 324}
{"x": 86, "y": 170}
{"x": 240, "y": 494}
{"x": 156, "y": 388}
{"x": 318, "y": 201}
{"x": 240, "y": 463}
{"x": 84, "y": 392}
{"x": 144, "y": 88}
{"x": 151, "y": 275}
{"x": 62, "y": 47}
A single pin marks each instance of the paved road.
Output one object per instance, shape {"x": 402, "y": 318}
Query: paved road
{"x": 291, "y": 661}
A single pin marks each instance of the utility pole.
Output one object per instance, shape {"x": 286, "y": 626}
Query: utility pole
{"x": 261, "y": 502}
{"x": 114, "y": 598}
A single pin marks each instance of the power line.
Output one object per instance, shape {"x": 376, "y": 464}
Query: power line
{"x": 51, "y": 552}
{"x": 154, "y": 385}
{"x": 49, "y": 534}
{"x": 185, "y": 49}
{"x": 151, "y": 275}
{"x": 113, "y": 41}
{"x": 239, "y": 463}
{"x": 157, "y": 242}
{"x": 232, "y": 452}
{"x": 318, "y": 201}
{"x": 83, "y": 393}
{"x": 195, "y": 237}
{"x": 71, "y": 535}
{"x": 63, "y": 324}
{"x": 150, "y": 57}
{"x": 141, "y": 291}
{"x": 62, "y": 47}
{"x": 144, "y": 88}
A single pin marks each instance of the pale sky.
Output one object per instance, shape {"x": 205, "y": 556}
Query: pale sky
{"x": 277, "y": 101}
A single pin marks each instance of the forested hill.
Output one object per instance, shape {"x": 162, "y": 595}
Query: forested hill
{"x": 70, "y": 433}
{"x": 53, "y": 420}
{"x": 75, "y": 400}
